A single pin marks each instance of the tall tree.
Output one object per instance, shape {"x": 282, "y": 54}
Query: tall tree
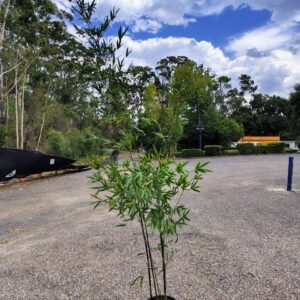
{"x": 294, "y": 100}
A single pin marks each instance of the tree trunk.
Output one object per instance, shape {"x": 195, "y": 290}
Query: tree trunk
{"x": 22, "y": 112}
{"x": 4, "y": 24}
{"x": 1, "y": 44}
{"x": 16, "y": 109}
{"x": 1, "y": 79}
{"x": 43, "y": 122}
{"x": 7, "y": 117}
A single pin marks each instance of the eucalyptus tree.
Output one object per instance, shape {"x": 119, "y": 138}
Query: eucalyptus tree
{"x": 32, "y": 64}
{"x": 103, "y": 67}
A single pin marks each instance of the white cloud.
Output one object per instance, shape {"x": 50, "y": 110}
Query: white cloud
{"x": 263, "y": 39}
{"x": 150, "y": 51}
{"x": 182, "y": 12}
{"x": 149, "y": 25}
{"x": 276, "y": 73}
{"x": 63, "y": 4}
{"x": 270, "y": 54}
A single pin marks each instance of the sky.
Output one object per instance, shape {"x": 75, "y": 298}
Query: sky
{"x": 231, "y": 37}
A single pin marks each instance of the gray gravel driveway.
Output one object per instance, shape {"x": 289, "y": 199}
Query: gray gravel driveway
{"x": 243, "y": 241}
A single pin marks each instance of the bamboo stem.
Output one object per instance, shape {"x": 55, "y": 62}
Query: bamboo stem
{"x": 162, "y": 244}
{"x": 147, "y": 254}
{"x": 156, "y": 287}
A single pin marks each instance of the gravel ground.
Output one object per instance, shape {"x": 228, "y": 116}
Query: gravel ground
{"x": 242, "y": 243}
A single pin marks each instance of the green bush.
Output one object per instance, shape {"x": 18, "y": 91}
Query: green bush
{"x": 276, "y": 147}
{"x": 85, "y": 143}
{"x": 147, "y": 192}
{"x": 289, "y": 150}
{"x": 192, "y": 153}
{"x": 231, "y": 152}
{"x": 2, "y": 135}
{"x": 178, "y": 154}
{"x": 246, "y": 148}
{"x": 56, "y": 143}
{"x": 262, "y": 149}
{"x": 213, "y": 150}
{"x": 229, "y": 148}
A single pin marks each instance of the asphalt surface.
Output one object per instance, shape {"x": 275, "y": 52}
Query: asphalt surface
{"x": 243, "y": 241}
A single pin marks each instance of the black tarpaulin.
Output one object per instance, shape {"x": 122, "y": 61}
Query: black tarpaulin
{"x": 17, "y": 163}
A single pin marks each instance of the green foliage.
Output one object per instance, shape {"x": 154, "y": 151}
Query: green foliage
{"x": 178, "y": 154}
{"x": 270, "y": 148}
{"x": 84, "y": 90}
{"x": 56, "y": 143}
{"x": 229, "y": 148}
{"x": 85, "y": 143}
{"x": 262, "y": 149}
{"x": 148, "y": 136}
{"x": 192, "y": 153}
{"x": 276, "y": 147}
{"x": 246, "y": 148}
{"x": 231, "y": 152}
{"x": 289, "y": 150}
{"x": 2, "y": 135}
{"x": 213, "y": 150}
{"x": 230, "y": 131}
{"x": 149, "y": 191}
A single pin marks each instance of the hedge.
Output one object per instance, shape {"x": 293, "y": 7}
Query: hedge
{"x": 213, "y": 150}
{"x": 289, "y": 150}
{"x": 178, "y": 154}
{"x": 191, "y": 153}
{"x": 270, "y": 148}
{"x": 262, "y": 149}
{"x": 231, "y": 152}
{"x": 246, "y": 148}
{"x": 276, "y": 147}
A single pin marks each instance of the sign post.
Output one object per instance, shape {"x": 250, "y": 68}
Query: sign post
{"x": 290, "y": 174}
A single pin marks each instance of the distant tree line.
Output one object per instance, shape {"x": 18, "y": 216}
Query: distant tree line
{"x": 74, "y": 97}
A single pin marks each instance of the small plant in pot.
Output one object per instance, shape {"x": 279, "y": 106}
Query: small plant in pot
{"x": 149, "y": 190}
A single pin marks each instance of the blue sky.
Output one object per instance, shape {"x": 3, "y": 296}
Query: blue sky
{"x": 214, "y": 28}
{"x": 231, "y": 37}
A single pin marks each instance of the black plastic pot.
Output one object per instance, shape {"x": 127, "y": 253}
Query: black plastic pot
{"x": 161, "y": 298}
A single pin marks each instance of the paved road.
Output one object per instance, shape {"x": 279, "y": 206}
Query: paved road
{"x": 243, "y": 241}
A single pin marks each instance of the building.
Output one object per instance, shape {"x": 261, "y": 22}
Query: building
{"x": 263, "y": 140}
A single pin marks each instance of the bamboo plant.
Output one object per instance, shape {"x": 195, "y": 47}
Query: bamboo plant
{"x": 149, "y": 190}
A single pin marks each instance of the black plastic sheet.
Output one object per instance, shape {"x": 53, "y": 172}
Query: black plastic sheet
{"x": 16, "y": 163}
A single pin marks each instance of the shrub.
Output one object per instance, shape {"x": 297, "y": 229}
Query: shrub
{"x": 246, "y": 148}
{"x": 230, "y": 148}
{"x": 85, "y": 143}
{"x": 2, "y": 135}
{"x": 276, "y": 147}
{"x": 231, "y": 152}
{"x": 178, "y": 154}
{"x": 289, "y": 150}
{"x": 192, "y": 153}
{"x": 213, "y": 150}
{"x": 148, "y": 192}
{"x": 262, "y": 149}
{"x": 56, "y": 143}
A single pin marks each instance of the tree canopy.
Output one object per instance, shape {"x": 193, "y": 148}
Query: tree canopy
{"x": 78, "y": 93}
